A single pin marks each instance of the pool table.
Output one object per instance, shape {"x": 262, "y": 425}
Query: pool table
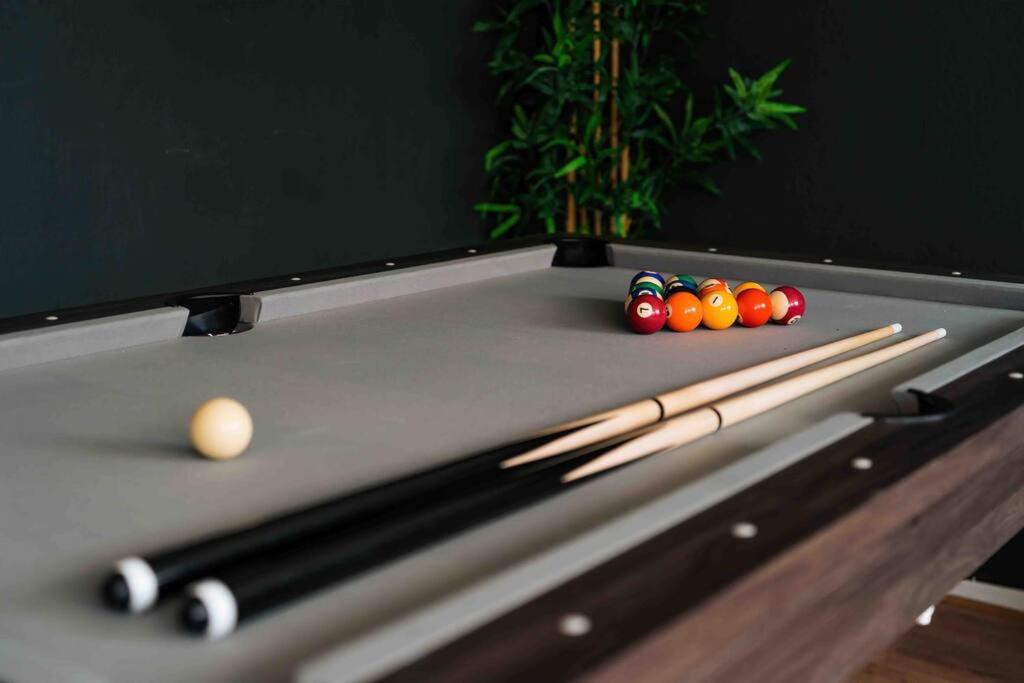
{"x": 793, "y": 546}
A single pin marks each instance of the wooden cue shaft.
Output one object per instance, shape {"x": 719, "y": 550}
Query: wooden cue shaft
{"x": 700, "y": 423}
{"x": 627, "y": 418}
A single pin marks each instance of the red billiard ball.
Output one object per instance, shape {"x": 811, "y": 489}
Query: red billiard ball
{"x": 755, "y": 307}
{"x": 646, "y": 314}
{"x": 788, "y": 305}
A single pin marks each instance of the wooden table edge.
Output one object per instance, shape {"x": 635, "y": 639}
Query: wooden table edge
{"x": 809, "y": 597}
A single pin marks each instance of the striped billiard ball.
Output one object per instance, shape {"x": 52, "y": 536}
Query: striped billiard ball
{"x": 788, "y": 305}
{"x": 652, "y": 275}
{"x": 708, "y": 281}
{"x": 681, "y": 286}
{"x": 648, "y": 288}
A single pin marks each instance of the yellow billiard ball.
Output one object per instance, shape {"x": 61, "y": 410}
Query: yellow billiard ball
{"x": 220, "y": 429}
{"x": 745, "y": 286}
{"x": 719, "y": 308}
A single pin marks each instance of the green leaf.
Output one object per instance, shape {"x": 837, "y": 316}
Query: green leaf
{"x": 765, "y": 82}
{"x": 544, "y": 59}
{"x": 558, "y": 142}
{"x": 496, "y": 208}
{"x": 785, "y": 118}
{"x": 738, "y": 82}
{"x": 576, "y": 164}
{"x": 781, "y": 108}
{"x": 484, "y": 26}
{"x": 503, "y": 227}
{"x": 521, "y": 117}
{"x": 703, "y": 181}
{"x": 593, "y": 122}
{"x": 493, "y": 153}
{"x": 549, "y": 225}
{"x": 665, "y": 119}
{"x": 539, "y": 71}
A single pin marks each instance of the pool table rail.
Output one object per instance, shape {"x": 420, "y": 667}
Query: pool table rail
{"x": 803, "y": 575}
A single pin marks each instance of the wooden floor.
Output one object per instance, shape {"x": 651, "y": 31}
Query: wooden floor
{"x": 967, "y": 641}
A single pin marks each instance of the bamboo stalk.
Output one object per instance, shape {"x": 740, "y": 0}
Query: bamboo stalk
{"x": 614, "y": 220}
{"x": 596, "y": 8}
{"x": 570, "y": 197}
{"x": 624, "y": 175}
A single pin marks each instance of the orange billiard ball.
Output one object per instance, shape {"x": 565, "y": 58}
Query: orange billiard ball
{"x": 719, "y": 308}
{"x": 744, "y": 286}
{"x": 684, "y": 311}
{"x": 754, "y": 307}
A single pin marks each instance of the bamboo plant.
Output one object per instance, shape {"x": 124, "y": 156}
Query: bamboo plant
{"x": 602, "y": 123}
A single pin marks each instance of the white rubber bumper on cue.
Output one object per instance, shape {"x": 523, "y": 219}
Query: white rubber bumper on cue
{"x": 140, "y": 580}
{"x": 221, "y": 608}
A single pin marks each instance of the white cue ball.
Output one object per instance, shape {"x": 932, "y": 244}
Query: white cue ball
{"x": 220, "y": 429}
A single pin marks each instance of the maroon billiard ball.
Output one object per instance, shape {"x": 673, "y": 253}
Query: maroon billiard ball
{"x": 788, "y": 305}
{"x": 646, "y": 314}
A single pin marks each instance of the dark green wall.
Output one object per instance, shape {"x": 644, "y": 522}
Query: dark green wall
{"x": 913, "y": 146}
{"x": 147, "y": 147}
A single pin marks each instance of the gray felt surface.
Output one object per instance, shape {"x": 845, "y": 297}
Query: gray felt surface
{"x": 95, "y": 465}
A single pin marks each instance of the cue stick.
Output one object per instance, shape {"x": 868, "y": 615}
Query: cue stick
{"x": 136, "y": 583}
{"x": 651, "y": 410}
{"x": 220, "y": 603}
{"x": 717, "y": 416}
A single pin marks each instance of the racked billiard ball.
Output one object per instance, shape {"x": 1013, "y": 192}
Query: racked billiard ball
{"x": 653, "y": 275}
{"x": 712, "y": 285}
{"x": 719, "y": 309}
{"x": 709, "y": 281}
{"x": 754, "y": 307}
{"x": 684, "y": 279}
{"x": 743, "y": 286}
{"x": 646, "y": 314}
{"x": 681, "y": 286}
{"x": 788, "y": 305}
{"x": 647, "y": 288}
{"x": 687, "y": 279}
{"x": 684, "y": 311}
{"x": 648, "y": 280}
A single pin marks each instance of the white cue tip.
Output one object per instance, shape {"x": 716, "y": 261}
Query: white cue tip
{"x": 220, "y": 605}
{"x": 896, "y": 328}
{"x": 140, "y": 580}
